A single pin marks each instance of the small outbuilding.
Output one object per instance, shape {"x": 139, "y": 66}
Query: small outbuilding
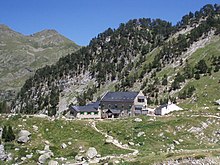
{"x": 89, "y": 111}
{"x": 112, "y": 113}
{"x": 166, "y": 108}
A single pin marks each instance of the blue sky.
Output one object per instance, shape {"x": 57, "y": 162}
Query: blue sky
{"x": 81, "y": 20}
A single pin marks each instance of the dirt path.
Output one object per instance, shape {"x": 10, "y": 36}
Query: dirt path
{"x": 116, "y": 143}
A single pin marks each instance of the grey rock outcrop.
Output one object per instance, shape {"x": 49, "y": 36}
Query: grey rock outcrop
{"x": 45, "y": 154}
{"x": 91, "y": 153}
{"x": 23, "y": 136}
{"x": 109, "y": 139}
{"x": 43, "y": 158}
{"x": 53, "y": 162}
{"x": 3, "y": 155}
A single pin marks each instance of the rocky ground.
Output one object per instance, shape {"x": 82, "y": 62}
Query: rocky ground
{"x": 174, "y": 139}
{"x": 193, "y": 161}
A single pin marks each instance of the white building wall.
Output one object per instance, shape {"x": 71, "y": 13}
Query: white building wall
{"x": 85, "y": 115}
{"x": 136, "y": 103}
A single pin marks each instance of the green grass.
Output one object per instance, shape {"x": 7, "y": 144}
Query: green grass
{"x": 168, "y": 71}
{"x": 79, "y": 133}
{"x": 160, "y": 133}
{"x": 153, "y": 146}
{"x": 213, "y": 48}
{"x": 207, "y": 88}
{"x": 16, "y": 57}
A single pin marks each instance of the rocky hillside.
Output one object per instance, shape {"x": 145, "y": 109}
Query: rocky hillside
{"x": 21, "y": 56}
{"x": 151, "y": 55}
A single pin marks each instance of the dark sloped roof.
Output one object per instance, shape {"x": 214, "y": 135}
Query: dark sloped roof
{"x": 92, "y": 107}
{"x": 94, "y": 104}
{"x": 120, "y": 96}
{"x": 83, "y": 108}
{"x": 113, "y": 111}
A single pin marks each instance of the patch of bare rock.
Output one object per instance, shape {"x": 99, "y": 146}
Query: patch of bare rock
{"x": 194, "y": 161}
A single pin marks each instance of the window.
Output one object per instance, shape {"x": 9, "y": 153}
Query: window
{"x": 96, "y": 113}
{"x": 116, "y": 106}
{"x": 89, "y": 113}
{"x": 129, "y": 108}
{"x": 81, "y": 113}
{"x": 140, "y": 100}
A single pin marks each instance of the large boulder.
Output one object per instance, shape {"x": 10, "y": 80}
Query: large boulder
{"x": 3, "y": 155}
{"x": 24, "y": 133}
{"x": 23, "y": 136}
{"x": 43, "y": 158}
{"x": 91, "y": 153}
{"x": 109, "y": 139}
{"x": 53, "y": 162}
{"x": 45, "y": 154}
{"x": 23, "y": 139}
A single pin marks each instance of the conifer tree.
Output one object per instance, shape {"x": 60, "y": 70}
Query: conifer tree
{"x": 202, "y": 66}
{"x": 9, "y": 135}
{"x": 4, "y": 132}
{"x": 197, "y": 76}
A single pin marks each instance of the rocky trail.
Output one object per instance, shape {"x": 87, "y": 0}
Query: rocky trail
{"x": 110, "y": 139}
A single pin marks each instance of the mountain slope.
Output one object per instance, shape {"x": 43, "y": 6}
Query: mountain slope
{"x": 21, "y": 56}
{"x": 141, "y": 54}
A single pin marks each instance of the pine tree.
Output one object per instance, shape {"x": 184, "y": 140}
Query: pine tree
{"x": 4, "y": 132}
{"x": 175, "y": 85}
{"x": 216, "y": 69}
{"x": 202, "y": 66}
{"x": 197, "y": 76}
{"x": 10, "y": 135}
{"x": 164, "y": 81}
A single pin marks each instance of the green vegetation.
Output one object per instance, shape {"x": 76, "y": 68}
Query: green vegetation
{"x": 23, "y": 55}
{"x": 142, "y": 54}
{"x": 78, "y": 133}
{"x": 161, "y": 132}
{"x": 8, "y": 134}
